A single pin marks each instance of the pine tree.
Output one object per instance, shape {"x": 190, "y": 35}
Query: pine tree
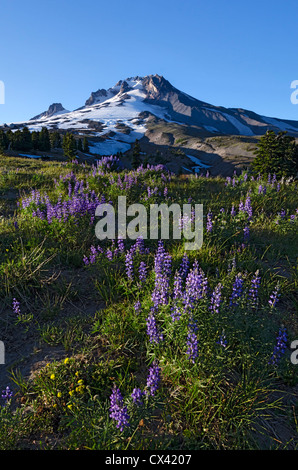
{"x": 44, "y": 140}
{"x": 4, "y": 141}
{"x": 135, "y": 162}
{"x": 55, "y": 139}
{"x": 26, "y": 139}
{"x": 69, "y": 146}
{"x": 85, "y": 145}
{"x": 17, "y": 140}
{"x": 80, "y": 145}
{"x": 276, "y": 154}
{"x": 35, "y": 140}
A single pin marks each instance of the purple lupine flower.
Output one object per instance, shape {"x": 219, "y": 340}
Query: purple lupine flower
{"x": 237, "y": 290}
{"x": 153, "y": 379}
{"x": 175, "y": 312}
{"x": 137, "y": 396}
{"x": 85, "y": 260}
{"x": 129, "y": 264}
{"x": 6, "y": 394}
{"x": 184, "y": 266}
{"x": 177, "y": 287}
{"x": 152, "y": 331}
{"x": 216, "y": 299}
{"x": 137, "y": 306}
{"x": 254, "y": 288}
{"x": 192, "y": 345}
{"x": 162, "y": 269}
{"x": 233, "y": 211}
{"x": 118, "y": 411}
{"x": 248, "y": 207}
{"x": 222, "y": 341}
{"x": 143, "y": 271}
{"x": 274, "y": 297}
{"x": 246, "y": 233}
{"x": 209, "y": 222}
{"x": 16, "y": 306}
{"x": 280, "y": 347}
{"x": 120, "y": 243}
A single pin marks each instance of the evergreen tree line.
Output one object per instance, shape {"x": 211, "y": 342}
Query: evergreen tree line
{"x": 44, "y": 141}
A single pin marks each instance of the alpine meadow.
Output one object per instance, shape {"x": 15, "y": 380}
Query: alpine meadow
{"x": 148, "y": 230}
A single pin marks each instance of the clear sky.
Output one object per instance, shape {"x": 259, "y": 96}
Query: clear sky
{"x": 231, "y": 53}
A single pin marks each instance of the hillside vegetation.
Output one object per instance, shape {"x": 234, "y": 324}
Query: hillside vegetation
{"x": 123, "y": 344}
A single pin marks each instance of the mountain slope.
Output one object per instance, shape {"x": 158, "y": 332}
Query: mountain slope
{"x": 113, "y": 119}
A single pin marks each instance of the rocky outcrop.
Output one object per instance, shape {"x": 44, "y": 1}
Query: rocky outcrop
{"x": 55, "y": 108}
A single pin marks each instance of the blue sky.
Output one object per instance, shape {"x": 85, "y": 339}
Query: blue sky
{"x": 228, "y": 53}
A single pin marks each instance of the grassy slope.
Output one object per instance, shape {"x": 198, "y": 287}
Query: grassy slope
{"x": 79, "y": 334}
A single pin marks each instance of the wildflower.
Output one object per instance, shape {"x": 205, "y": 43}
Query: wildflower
{"x": 16, "y": 306}
{"x": 137, "y": 396}
{"x": 253, "y": 291}
{"x": 246, "y": 233}
{"x": 137, "y": 306}
{"x": 7, "y": 394}
{"x": 129, "y": 264}
{"x": 222, "y": 341}
{"x": 215, "y": 299}
{"x": 142, "y": 271}
{"x": 118, "y": 411}
{"x": 209, "y": 222}
{"x": 153, "y": 379}
{"x": 154, "y": 335}
{"x": 274, "y": 297}
{"x": 184, "y": 266}
{"x": 192, "y": 345}
{"x": 248, "y": 207}
{"x": 237, "y": 290}
{"x": 52, "y": 376}
{"x": 177, "y": 290}
{"x": 66, "y": 360}
{"x": 162, "y": 269}
{"x": 280, "y": 346}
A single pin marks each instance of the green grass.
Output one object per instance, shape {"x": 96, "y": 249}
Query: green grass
{"x": 79, "y": 334}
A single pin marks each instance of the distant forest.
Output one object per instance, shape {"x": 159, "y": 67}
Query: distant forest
{"x": 44, "y": 141}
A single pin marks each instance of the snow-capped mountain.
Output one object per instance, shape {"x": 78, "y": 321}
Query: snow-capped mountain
{"x": 116, "y": 117}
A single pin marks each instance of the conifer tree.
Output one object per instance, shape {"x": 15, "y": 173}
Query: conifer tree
{"x": 135, "y": 162}
{"x": 35, "y": 140}
{"x": 4, "y": 141}
{"x": 44, "y": 140}
{"x": 69, "y": 146}
{"x": 26, "y": 140}
{"x": 85, "y": 145}
{"x": 276, "y": 154}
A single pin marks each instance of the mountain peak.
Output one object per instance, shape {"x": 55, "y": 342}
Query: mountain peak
{"x": 55, "y": 108}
